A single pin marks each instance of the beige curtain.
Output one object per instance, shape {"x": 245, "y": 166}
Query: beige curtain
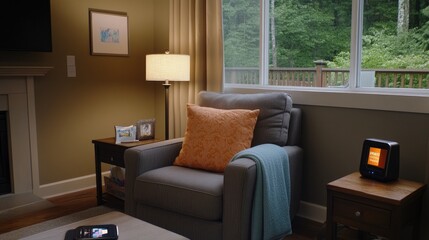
{"x": 195, "y": 29}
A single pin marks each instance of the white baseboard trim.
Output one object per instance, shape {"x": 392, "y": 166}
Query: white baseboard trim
{"x": 67, "y": 186}
{"x": 312, "y": 211}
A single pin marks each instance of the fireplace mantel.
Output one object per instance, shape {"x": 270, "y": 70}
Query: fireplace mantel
{"x": 23, "y": 71}
{"x": 17, "y": 96}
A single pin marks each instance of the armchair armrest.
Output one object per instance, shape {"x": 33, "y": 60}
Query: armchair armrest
{"x": 239, "y": 185}
{"x": 145, "y": 158}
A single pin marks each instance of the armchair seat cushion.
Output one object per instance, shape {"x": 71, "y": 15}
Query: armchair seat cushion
{"x": 175, "y": 188}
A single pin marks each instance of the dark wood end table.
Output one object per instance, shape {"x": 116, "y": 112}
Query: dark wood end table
{"x": 107, "y": 151}
{"x": 385, "y": 209}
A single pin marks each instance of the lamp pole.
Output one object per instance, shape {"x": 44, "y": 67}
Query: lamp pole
{"x": 167, "y": 111}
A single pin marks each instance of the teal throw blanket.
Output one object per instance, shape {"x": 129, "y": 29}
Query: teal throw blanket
{"x": 270, "y": 211}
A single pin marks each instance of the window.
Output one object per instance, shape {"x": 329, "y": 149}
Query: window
{"x": 242, "y": 40}
{"x": 327, "y": 43}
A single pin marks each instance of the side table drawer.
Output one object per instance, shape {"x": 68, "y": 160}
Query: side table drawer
{"x": 111, "y": 155}
{"x": 360, "y": 213}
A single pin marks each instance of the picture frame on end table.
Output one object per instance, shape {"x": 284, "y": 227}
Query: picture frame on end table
{"x": 108, "y": 32}
{"x": 146, "y": 129}
{"x": 125, "y": 134}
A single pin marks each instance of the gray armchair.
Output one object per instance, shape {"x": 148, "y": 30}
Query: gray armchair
{"x": 206, "y": 205}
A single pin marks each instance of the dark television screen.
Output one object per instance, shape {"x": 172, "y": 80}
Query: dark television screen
{"x": 25, "y": 25}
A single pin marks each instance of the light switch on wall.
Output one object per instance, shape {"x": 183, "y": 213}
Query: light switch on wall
{"x": 71, "y": 66}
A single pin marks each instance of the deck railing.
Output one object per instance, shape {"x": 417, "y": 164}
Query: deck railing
{"x": 320, "y": 76}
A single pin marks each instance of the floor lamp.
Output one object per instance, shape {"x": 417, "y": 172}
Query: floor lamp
{"x": 167, "y": 67}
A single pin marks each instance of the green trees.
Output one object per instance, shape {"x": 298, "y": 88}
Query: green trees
{"x": 384, "y": 47}
{"x": 309, "y": 30}
{"x": 241, "y": 33}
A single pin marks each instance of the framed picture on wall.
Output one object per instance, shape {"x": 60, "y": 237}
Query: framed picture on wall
{"x": 146, "y": 129}
{"x": 108, "y": 32}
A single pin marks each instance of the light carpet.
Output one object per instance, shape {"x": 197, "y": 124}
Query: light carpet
{"x": 54, "y": 223}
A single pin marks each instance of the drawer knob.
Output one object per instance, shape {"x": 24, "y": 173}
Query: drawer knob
{"x": 357, "y": 214}
{"x": 111, "y": 159}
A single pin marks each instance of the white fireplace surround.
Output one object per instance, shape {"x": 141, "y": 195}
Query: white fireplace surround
{"x": 17, "y": 97}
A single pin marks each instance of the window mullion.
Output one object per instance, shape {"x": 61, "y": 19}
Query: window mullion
{"x": 264, "y": 42}
{"x": 356, "y": 43}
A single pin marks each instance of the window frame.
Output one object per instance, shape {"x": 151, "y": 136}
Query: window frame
{"x": 353, "y": 96}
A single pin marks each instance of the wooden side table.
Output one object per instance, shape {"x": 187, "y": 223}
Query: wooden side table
{"x": 107, "y": 151}
{"x": 384, "y": 209}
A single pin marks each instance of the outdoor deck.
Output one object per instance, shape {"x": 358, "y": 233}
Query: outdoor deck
{"x": 321, "y": 76}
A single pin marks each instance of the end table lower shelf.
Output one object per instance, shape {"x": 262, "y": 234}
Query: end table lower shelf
{"x": 112, "y": 201}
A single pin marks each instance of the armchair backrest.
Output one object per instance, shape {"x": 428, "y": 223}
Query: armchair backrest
{"x": 274, "y": 120}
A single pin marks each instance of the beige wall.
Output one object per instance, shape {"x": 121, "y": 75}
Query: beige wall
{"x": 107, "y": 91}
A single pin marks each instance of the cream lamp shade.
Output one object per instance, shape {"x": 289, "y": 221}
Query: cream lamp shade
{"x": 167, "y": 67}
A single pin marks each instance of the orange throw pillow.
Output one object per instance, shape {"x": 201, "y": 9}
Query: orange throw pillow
{"x": 213, "y": 136}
